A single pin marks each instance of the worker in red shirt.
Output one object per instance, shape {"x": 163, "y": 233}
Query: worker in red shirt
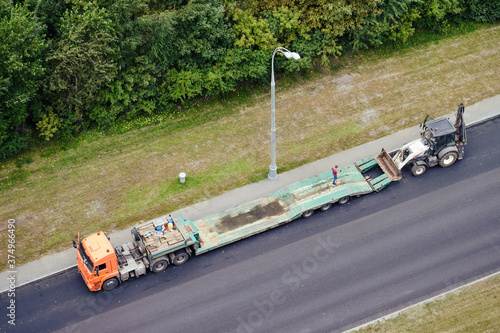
{"x": 335, "y": 173}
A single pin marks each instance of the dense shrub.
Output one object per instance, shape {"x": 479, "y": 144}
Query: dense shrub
{"x": 68, "y": 65}
{"x": 483, "y": 11}
{"x": 22, "y": 45}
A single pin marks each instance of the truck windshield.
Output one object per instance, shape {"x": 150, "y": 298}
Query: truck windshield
{"x": 85, "y": 258}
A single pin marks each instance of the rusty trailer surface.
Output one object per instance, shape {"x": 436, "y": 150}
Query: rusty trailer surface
{"x": 286, "y": 205}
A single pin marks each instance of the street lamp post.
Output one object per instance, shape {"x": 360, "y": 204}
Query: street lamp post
{"x": 273, "y": 174}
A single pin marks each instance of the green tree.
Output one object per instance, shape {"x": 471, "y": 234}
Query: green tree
{"x": 433, "y": 13}
{"x": 287, "y": 25}
{"x": 82, "y": 62}
{"x": 393, "y": 21}
{"x": 331, "y": 19}
{"x": 195, "y": 36}
{"x": 50, "y": 13}
{"x": 133, "y": 91}
{"x": 21, "y": 68}
{"x": 252, "y": 31}
{"x": 187, "y": 47}
{"x": 483, "y": 10}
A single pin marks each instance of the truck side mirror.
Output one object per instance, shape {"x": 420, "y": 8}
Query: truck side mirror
{"x": 96, "y": 271}
{"x": 74, "y": 244}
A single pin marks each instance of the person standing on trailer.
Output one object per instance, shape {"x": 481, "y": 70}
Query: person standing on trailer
{"x": 335, "y": 173}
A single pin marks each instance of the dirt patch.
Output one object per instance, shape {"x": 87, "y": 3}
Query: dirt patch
{"x": 229, "y": 223}
{"x": 368, "y": 116}
{"x": 318, "y": 89}
{"x": 97, "y": 207}
{"x": 344, "y": 80}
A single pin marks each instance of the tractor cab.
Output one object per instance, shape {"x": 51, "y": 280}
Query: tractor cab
{"x": 438, "y": 134}
{"x": 441, "y": 133}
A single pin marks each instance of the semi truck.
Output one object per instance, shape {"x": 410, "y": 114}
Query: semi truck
{"x": 165, "y": 241}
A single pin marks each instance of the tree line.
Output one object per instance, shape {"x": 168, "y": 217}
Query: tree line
{"x": 70, "y": 65}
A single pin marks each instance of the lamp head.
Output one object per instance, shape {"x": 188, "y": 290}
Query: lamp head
{"x": 293, "y": 55}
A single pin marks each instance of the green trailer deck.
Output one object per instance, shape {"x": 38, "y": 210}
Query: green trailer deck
{"x": 286, "y": 205}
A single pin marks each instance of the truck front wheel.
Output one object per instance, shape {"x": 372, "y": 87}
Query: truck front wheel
{"x": 418, "y": 170}
{"x": 448, "y": 159}
{"x": 110, "y": 284}
{"x": 159, "y": 266}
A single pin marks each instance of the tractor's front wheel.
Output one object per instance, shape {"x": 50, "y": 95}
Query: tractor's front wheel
{"x": 418, "y": 170}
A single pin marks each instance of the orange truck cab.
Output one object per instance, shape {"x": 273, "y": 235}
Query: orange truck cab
{"x": 97, "y": 262}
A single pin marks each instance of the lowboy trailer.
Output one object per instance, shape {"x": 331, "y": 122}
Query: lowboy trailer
{"x": 165, "y": 241}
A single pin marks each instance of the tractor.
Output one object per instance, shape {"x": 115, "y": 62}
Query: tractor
{"x": 441, "y": 142}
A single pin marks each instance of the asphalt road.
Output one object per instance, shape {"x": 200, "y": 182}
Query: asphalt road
{"x": 354, "y": 263}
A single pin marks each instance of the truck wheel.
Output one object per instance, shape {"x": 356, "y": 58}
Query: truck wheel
{"x": 448, "y": 159}
{"x": 308, "y": 213}
{"x": 418, "y": 170}
{"x": 180, "y": 258}
{"x": 141, "y": 246}
{"x": 326, "y": 207}
{"x": 135, "y": 234}
{"x": 110, "y": 284}
{"x": 344, "y": 200}
{"x": 159, "y": 266}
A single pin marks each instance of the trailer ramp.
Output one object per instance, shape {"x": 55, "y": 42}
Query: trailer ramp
{"x": 387, "y": 165}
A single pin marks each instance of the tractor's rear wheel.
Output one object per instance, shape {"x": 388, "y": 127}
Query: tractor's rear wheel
{"x": 448, "y": 159}
{"x": 418, "y": 170}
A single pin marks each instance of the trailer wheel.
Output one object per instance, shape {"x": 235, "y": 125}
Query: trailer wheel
{"x": 308, "y": 213}
{"x": 344, "y": 200}
{"x": 180, "y": 258}
{"x": 418, "y": 170}
{"x": 159, "y": 266}
{"x": 110, "y": 284}
{"x": 448, "y": 159}
{"x": 326, "y": 207}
